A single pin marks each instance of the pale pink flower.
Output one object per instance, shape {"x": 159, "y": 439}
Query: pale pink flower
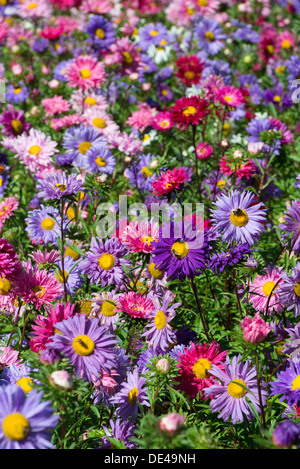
{"x": 263, "y": 291}
{"x": 138, "y": 236}
{"x": 128, "y": 144}
{"x": 55, "y": 105}
{"x": 34, "y": 9}
{"x": 9, "y": 356}
{"x": 102, "y": 122}
{"x": 66, "y": 121}
{"x": 85, "y": 72}
{"x": 81, "y": 101}
{"x": 142, "y": 118}
{"x": 255, "y": 330}
{"x": 96, "y": 6}
{"x": 171, "y": 423}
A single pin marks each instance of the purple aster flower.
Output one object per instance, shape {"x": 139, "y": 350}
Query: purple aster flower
{"x": 103, "y": 307}
{"x": 288, "y": 384}
{"x": 58, "y": 72}
{"x": 153, "y": 33}
{"x": 159, "y": 332}
{"x": 100, "y": 159}
{"x": 210, "y": 36}
{"x": 104, "y": 262}
{"x": 245, "y": 33}
{"x": 292, "y": 345}
{"x": 218, "y": 68}
{"x": 101, "y": 32}
{"x": 73, "y": 278}
{"x": 78, "y": 140}
{"x": 148, "y": 65}
{"x": 88, "y": 345}
{"x": 140, "y": 174}
{"x": 34, "y": 203}
{"x": 17, "y": 94}
{"x": 230, "y": 396}
{"x": 164, "y": 93}
{"x": 291, "y": 224}
{"x": 17, "y": 375}
{"x": 286, "y": 434}
{"x": 65, "y": 159}
{"x": 13, "y": 122}
{"x": 58, "y": 185}
{"x": 4, "y": 177}
{"x": 290, "y": 290}
{"x": 181, "y": 254}
{"x": 43, "y": 225}
{"x": 293, "y": 69}
{"x": 40, "y": 45}
{"x": 297, "y": 183}
{"x": 276, "y": 96}
{"x": 123, "y": 431}
{"x": 131, "y": 393}
{"x": 239, "y": 217}
{"x": 220, "y": 261}
{"x": 25, "y": 420}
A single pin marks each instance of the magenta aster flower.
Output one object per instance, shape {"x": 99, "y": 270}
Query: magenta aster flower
{"x": 85, "y": 72}
{"x": 189, "y": 111}
{"x": 9, "y": 262}
{"x": 88, "y": 345}
{"x": 39, "y": 288}
{"x": 138, "y": 236}
{"x": 172, "y": 179}
{"x": 230, "y": 96}
{"x": 13, "y": 122}
{"x": 136, "y": 305}
{"x": 264, "y": 291}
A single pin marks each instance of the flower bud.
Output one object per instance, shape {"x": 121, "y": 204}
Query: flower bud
{"x": 163, "y": 365}
{"x": 53, "y": 84}
{"x": 171, "y": 423}
{"x": 255, "y": 330}
{"x": 61, "y": 379}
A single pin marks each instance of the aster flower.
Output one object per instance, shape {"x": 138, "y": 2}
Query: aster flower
{"x": 9, "y": 262}
{"x": 288, "y": 384}
{"x": 142, "y": 118}
{"x": 104, "y": 307}
{"x": 136, "y": 305}
{"x": 230, "y": 396}
{"x": 264, "y": 290}
{"x": 100, "y": 120}
{"x": 180, "y": 256}
{"x": 189, "y": 69}
{"x": 189, "y": 111}
{"x": 55, "y": 105}
{"x": 101, "y": 32}
{"x": 58, "y": 185}
{"x": 131, "y": 392}
{"x": 210, "y": 36}
{"x": 9, "y": 356}
{"x": 152, "y": 33}
{"x": 121, "y": 430}
{"x": 159, "y": 334}
{"x": 17, "y": 94}
{"x": 39, "y": 287}
{"x": 290, "y": 290}
{"x": 291, "y": 225}
{"x": 100, "y": 159}
{"x": 44, "y": 326}
{"x": 142, "y": 174}
{"x": 43, "y": 224}
{"x": 104, "y": 262}
{"x": 13, "y": 122}
{"x": 126, "y": 55}
{"x": 138, "y": 236}
{"x": 172, "y": 179}
{"x": 88, "y": 345}
{"x": 230, "y": 96}
{"x": 71, "y": 275}
{"x": 219, "y": 261}
{"x": 255, "y": 330}
{"x": 239, "y": 217}
{"x": 19, "y": 376}
{"x": 29, "y": 9}
{"x": 25, "y": 419}
{"x": 194, "y": 367}
{"x": 286, "y": 434}
{"x": 85, "y": 72}
{"x": 78, "y": 140}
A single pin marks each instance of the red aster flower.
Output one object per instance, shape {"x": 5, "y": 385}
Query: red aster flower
{"x": 170, "y": 180}
{"x": 189, "y": 111}
{"x": 241, "y": 168}
{"x": 52, "y": 32}
{"x": 189, "y": 69}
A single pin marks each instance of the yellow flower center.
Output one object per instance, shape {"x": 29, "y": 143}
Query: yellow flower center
{"x": 155, "y": 272}
{"x": 32, "y": 6}
{"x": 25, "y": 384}
{"x": 297, "y": 289}
{"x": 127, "y": 58}
{"x": 286, "y": 44}
{"x": 221, "y": 184}
{"x": 84, "y": 147}
{"x": 2, "y": 169}
{"x": 189, "y": 75}
{"x": 60, "y": 276}
{"x": 201, "y": 367}
{"x": 5, "y": 286}
{"x": 235, "y": 390}
{"x": 99, "y": 123}
{"x": 209, "y": 36}
{"x": 147, "y": 239}
{"x": 154, "y": 33}
{"x": 71, "y": 253}
{"x": 147, "y": 172}
{"x": 48, "y": 224}
{"x": 106, "y": 261}
{"x": 189, "y": 111}
{"x": 277, "y": 99}
{"x": 190, "y": 11}
{"x": 100, "y": 161}
{"x": 202, "y": 3}
{"x": 165, "y": 124}
{"x": 70, "y": 213}
{"x": 86, "y": 307}
{"x": 268, "y": 287}
{"x": 163, "y": 43}
{"x": 17, "y": 90}
{"x": 61, "y": 187}
{"x": 35, "y": 150}
{"x": 132, "y": 396}
{"x": 15, "y": 427}
{"x": 296, "y": 383}
{"x": 100, "y": 33}
{"x": 90, "y": 101}
{"x": 180, "y": 249}
{"x": 85, "y": 73}
{"x": 280, "y": 69}
{"x": 239, "y": 217}
{"x": 228, "y": 99}
{"x": 38, "y": 291}
{"x": 108, "y": 308}
{"x": 160, "y": 320}
{"x": 83, "y": 345}
{"x": 17, "y": 126}
{"x": 270, "y": 49}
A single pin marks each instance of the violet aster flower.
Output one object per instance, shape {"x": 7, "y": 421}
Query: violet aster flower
{"x": 19, "y": 376}
{"x": 78, "y": 140}
{"x": 104, "y": 262}
{"x": 290, "y": 290}
{"x": 210, "y": 36}
{"x": 17, "y": 94}
{"x": 43, "y": 225}
{"x": 123, "y": 431}
{"x": 131, "y": 392}
{"x": 104, "y": 306}
{"x": 25, "y": 420}
{"x": 58, "y": 185}
{"x": 100, "y": 159}
{"x": 101, "y": 32}
{"x": 238, "y": 382}
{"x": 288, "y": 384}
{"x": 141, "y": 174}
{"x": 220, "y": 261}
{"x": 13, "y": 121}
{"x": 73, "y": 278}
{"x": 180, "y": 256}
{"x": 239, "y": 217}
{"x": 159, "y": 332}
{"x": 88, "y": 345}
{"x": 291, "y": 224}
{"x": 153, "y": 33}
{"x": 286, "y": 434}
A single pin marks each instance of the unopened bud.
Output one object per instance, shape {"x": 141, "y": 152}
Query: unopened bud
{"x": 171, "y": 423}
{"x": 62, "y": 379}
{"x": 163, "y": 365}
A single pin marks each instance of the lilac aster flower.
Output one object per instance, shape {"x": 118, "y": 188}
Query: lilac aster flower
{"x": 123, "y": 431}
{"x": 25, "y": 420}
{"x": 256, "y": 127}
{"x": 297, "y": 183}
{"x": 140, "y": 174}
{"x": 100, "y": 159}
{"x": 104, "y": 308}
{"x": 101, "y": 32}
{"x": 73, "y": 278}
{"x": 180, "y": 256}
{"x": 210, "y": 35}
{"x": 245, "y": 33}
{"x": 78, "y": 140}
{"x": 153, "y": 33}
{"x": 17, "y": 375}
{"x": 43, "y": 225}
{"x": 239, "y": 217}
{"x": 58, "y": 72}
{"x": 88, "y": 345}
{"x": 159, "y": 333}
{"x": 104, "y": 262}
{"x": 288, "y": 384}
{"x": 220, "y": 261}
{"x": 58, "y": 185}
{"x": 291, "y": 224}
{"x": 218, "y": 68}
{"x": 230, "y": 396}
{"x": 131, "y": 393}
{"x": 290, "y": 290}
{"x": 286, "y": 434}
{"x": 17, "y": 94}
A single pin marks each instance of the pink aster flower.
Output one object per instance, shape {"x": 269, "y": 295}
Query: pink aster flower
{"x": 4, "y": 29}
{"x": 194, "y": 365}
{"x": 136, "y": 305}
{"x": 238, "y": 167}
{"x": 162, "y": 121}
{"x": 96, "y": 6}
{"x": 138, "y": 236}
{"x": 7, "y": 208}
{"x": 36, "y": 9}
{"x": 287, "y": 135}
{"x": 255, "y": 330}
{"x": 65, "y": 4}
{"x": 40, "y": 287}
{"x": 9, "y": 262}
{"x": 128, "y": 144}
{"x": 286, "y": 40}
{"x": 9, "y": 356}
{"x": 45, "y": 257}
{"x": 102, "y": 122}
{"x": 85, "y": 72}
{"x": 230, "y": 96}
{"x": 44, "y": 326}
{"x": 211, "y": 85}
{"x": 81, "y": 101}
{"x": 264, "y": 291}
{"x": 55, "y": 105}
{"x": 125, "y": 54}
{"x": 66, "y": 121}
{"x": 68, "y": 24}
{"x": 142, "y": 118}
{"x": 203, "y": 151}
{"x": 170, "y": 180}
